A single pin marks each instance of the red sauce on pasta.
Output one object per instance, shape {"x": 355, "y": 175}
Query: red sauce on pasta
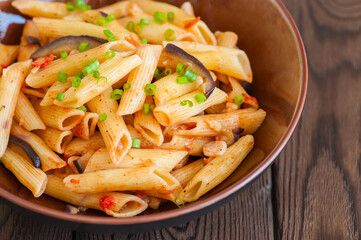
{"x": 43, "y": 62}
{"x": 76, "y": 181}
{"x": 106, "y": 202}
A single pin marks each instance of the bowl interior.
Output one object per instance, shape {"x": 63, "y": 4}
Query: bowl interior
{"x": 276, "y": 55}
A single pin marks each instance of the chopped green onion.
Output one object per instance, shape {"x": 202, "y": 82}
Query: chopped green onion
{"x": 80, "y": 4}
{"x": 136, "y": 143}
{"x": 130, "y": 26}
{"x": 144, "y": 41}
{"x": 150, "y": 89}
{"x": 105, "y": 82}
{"x": 151, "y": 108}
{"x": 127, "y": 86}
{"x": 96, "y": 74}
{"x": 109, "y": 55}
{"x": 110, "y": 17}
{"x": 111, "y": 37}
{"x": 84, "y": 46}
{"x": 103, "y": 117}
{"x": 146, "y": 108}
{"x": 137, "y": 28}
{"x": 60, "y": 97}
{"x": 116, "y": 94}
{"x": 91, "y": 67}
{"x": 79, "y": 75}
{"x": 179, "y": 205}
{"x": 159, "y": 18}
{"x": 185, "y": 102}
{"x": 190, "y": 75}
{"x": 157, "y": 73}
{"x": 84, "y": 63}
{"x": 63, "y": 55}
{"x": 102, "y": 21}
{"x": 239, "y": 99}
{"x": 70, "y": 6}
{"x": 200, "y": 98}
{"x": 170, "y": 16}
{"x": 75, "y": 82}
{"x": 182, "y": 80}
{"x": 62, "y": 77}
{"x": 83, "y": 108}
{"x": 144, "y": 21}
{"x": 168, "y": 71}
{"x": 180, "y": 68}
{"x": 169, "y": 34}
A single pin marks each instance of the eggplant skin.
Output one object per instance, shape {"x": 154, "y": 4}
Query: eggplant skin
{"x": 66, "y": 44}
{"x": 28, "y": 149}
{"x": 174, "y": 52}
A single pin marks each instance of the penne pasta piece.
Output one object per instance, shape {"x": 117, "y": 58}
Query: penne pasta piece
{"x": 160, "y": 159}
{"x": 78, "y": 164}
{"x": 26, "y": 115}
{"x": 168, "y": 88}
{"x": 236, "y": 62}
{"x": 59, "y": 118}
{"x": 8, "y": 55}
{"x": 118, "y": 9}
{"x": 55, "y": 139}
{"x": 79, "y": 146}
{"x": 49, "y": 160}
{"x": 226, "y": 39}
{"x": 10, "y": 83}
{"x": 144, "y": 143}
{"x": 40, "y": 8}
{"x": 129, "y": 179}
{"x": 194, "y": 145}
{"x": 112, "y": 70}
{"x": 113, "y": 129}
{"x": 86, "y": 128}
{"x": 248, "y": 120}
{"x": 186, "y": 173}
{"x": 218, "y": 170}
{"x": 237, "y": 89}
{"x": 173, "y": 112}
{"x": 113, "y": 204}
{"x": 48, "y": 75}
{"x": 153, "y": 202}
{"x": 32, "y": 178}
{"x": 188, "y": 8}
{"x": 133, "y": 98}
{"x": 54, "y": 90}
{"x": 38, "y": 93}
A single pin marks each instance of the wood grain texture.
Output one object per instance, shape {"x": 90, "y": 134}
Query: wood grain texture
{"x": 317, "y": 178}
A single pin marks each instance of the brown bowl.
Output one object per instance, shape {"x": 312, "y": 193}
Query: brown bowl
{"x": 269, "y": 36}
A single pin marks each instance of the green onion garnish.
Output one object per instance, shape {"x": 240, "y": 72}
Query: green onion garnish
{"x": 111, "y": 37}
{"x": 179, "y": 205}
{"x": 168, "y": 71}
{"x": 63, "y": 55}
{"x": 144, "y": 21}
{"x": 102, "y": 21}
{"x": 159, "y": 18}
{"x": 96, "y": 74}
{"x": 146, "y": 108}
{"x": 75, "y": 82}
{"x": 180, "y": 68}
{"x": 151, "y": 108}
{"x": 137, "y": 28}
{"x": 105, "y": 81}
{"x": 182, "y": 80}
{"x": 200, "y": 98}
{"x": 170, "y": 16}
{"x": 150, "y": 89}
{"x": 185, "y": 102}
{"x": 110, "y": 17}
{"x": 84, "y": 46}
{"x": 103, "y": 117}
{"x": 169, "y": 34}
{"x": 127, "y": 86}
{"x": 116, "y": 94}
{"x": 109, "y": 55}
{"x": 79, "y": 4}
{"x": 239, "y": 99}
{"x": 190, "y": 75}
{"x": 136, "y": 143}
{"x": 62, "y": 77}
{"x": 83, "y": 108}
{"x": 79, "y": 75}
{"x": 144, "y": 41}
{"x": 130, "y": 26}
{"x": 60, "y": 97}
{"x": 157, "y": 73}
{"x": 84, "y": 63}
{"x": 70, "y": 6}
{"x": 91, "y": 67}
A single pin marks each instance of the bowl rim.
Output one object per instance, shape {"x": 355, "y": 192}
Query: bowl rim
{"x": 200, "y": 204}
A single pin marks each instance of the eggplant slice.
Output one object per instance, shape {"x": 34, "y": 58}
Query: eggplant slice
{"x": 28, "y": 149}
{"x": 194, "y": 65}
{"x": 66, "y": 44}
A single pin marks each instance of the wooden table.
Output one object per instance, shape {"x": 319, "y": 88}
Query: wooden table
{"x": 313, "y": 191}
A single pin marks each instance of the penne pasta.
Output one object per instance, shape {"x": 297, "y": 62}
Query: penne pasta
{"x": 237, "y": 89}
{"x": 55, "y": 139}
{"x": 194, "y": 145}
{"x": 8, "y": 55}
{"x": 113, "y": 129}
{"x": 54, "y": 90}
{"x": 49, "y": 160}
{"x": 119, "y": 204}
{"x": 173, "y": 112}
{"x": 118, "y": 9}
{"x": 160, "y": 159}
{"x": 32, "y": 178}
{"x": 186, "y": 173}
{"x": 10, "y": 83}
{"x": 188, "y": 8}
{"x": 31, "y": 92}
{"x": 218, "y": 170}
{"x": 40, "y": 8}
{"x": 79, "y": 146}
{"x": 144, "y": 143}
{"x": 133, "y": 98}
{"x": 226, "y": 39}
{"x": 26, "y": 115}
{"x": 86, "y": 128}
{"x": 78, "y": 164}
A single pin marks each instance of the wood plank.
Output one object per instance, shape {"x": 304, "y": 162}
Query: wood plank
{"x": 317, "y": 176}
